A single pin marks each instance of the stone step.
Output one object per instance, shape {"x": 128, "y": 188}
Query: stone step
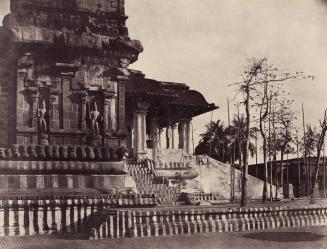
{"x": 146, "y": 184}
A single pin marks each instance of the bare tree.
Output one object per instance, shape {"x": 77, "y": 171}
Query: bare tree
{"x": 323, "y": 125}
{"x": 285, "y": 121}
{"x": 258, "y": 75}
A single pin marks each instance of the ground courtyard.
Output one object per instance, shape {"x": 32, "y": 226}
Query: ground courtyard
{"x": 304, "y": 238}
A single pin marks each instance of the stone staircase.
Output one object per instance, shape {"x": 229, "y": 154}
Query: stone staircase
{"x": 147, "y": 183}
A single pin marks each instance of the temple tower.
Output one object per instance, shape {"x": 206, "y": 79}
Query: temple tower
{"x": 64, "y": 72}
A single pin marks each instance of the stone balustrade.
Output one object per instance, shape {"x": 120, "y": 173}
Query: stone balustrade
{"x": 31, "y": 216}
{"x": 176, "y": 221}
{"x": 34, "y": 152}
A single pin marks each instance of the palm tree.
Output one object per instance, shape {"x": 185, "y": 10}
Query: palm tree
{"x": 221, "y": 143}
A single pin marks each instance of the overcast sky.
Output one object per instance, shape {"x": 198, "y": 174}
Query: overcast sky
{"x": 206, "y": 44}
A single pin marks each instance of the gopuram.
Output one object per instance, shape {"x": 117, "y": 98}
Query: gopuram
{"x": 80, "y": 131}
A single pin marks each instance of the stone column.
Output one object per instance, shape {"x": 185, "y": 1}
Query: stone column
{"x": 155, "y": 133}
{"x": 113, "y": 114}
{"x": 169, "y": 137}
{"x": 174, "y": 139}
{"x": 140, "y": 128}
{"x": 160, "y": 137}
{"x": 139, "y": 134}
{"x": 188, "y": 139}
{"x": 54, "y": 112}
{"x": 182, "y": 135}
{"x": 109, "y": 113}
{"x": 35, "y": 98}
{"x": 106, "y": 104}
{"x": 66, "y": 82}
{"x": 121, "y": 104}
{"x": 83, "y": 110}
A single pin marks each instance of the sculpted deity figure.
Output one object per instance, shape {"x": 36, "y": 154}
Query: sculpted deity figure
{"x": 42, "y": 124}
{"x": 94, "y": 116}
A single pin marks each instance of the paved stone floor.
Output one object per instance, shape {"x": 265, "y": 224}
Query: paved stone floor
{"x": 300, "y": 238}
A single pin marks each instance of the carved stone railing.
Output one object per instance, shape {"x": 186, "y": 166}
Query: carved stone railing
{"x": 34, "y": 152}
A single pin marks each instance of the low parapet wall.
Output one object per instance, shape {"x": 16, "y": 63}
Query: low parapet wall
{"x": 10, "y": 167}
{"x": 31, "y": 216}
{"x": 225, "y": 181}
{"x": 129, "y": 223}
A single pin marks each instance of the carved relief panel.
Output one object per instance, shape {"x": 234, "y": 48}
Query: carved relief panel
{"x": 94, "y": 78}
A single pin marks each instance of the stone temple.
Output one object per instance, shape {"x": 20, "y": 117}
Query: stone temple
{"x": 80, "y": 131}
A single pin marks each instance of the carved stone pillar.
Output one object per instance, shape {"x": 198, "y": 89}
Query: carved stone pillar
{"x": 84, "y": 99}
{"x": 140, "y": 128}
{"x": 160, "y": 137}
{"x": 139, "y": 132}
{"x": 106, "y": 104}
{"x": 174, "y": 139}
{"x": 155, "y": 133}
{"x": 122, "y": 107}
{"x": 113, "y": 114}
{"x": 182, "y": 135}
{"x": 188, "y": 132}
{"x": 169, "y": 136}
{"x": 54, "y": 111}
{"x": 66, "y": 82}
{"x": 35, "y": 98}
{"x": 109, "y": 114}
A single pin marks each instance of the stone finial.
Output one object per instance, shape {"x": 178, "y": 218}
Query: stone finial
{"x": 2, "y": 153}
{"x": 98, "y": 153}
{"x": 15, "y": 151}
{"x": 81, "y": 153}
{"x": 48, "y": 152}
{"x": 90, "y": 153}
{"x": 56, "y": 153}
{"x": 72, "y": 153}
{"x": 106, "y": 153}
{"x": 40, "y": 151}
{"x": 23, "y": 152}
{"x": 32, "y": 152}
{"x": 63, "y": 152}
{"x": 9, "y": 153}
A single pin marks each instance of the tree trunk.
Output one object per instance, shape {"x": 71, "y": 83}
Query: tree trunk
{"x": 246, "y": 148}
{"x": 316, "y": 170}
{"x": 282, "y": 171}
{"x": 265, "y": 190}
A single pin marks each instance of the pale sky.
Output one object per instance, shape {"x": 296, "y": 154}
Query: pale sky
{"x": 206, "y": 44}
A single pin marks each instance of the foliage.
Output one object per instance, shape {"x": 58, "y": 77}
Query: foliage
{"x": 221, "y": 142}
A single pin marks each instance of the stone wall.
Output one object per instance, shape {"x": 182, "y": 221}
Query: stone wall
{"x": 7, "y": 90}
{"x": 215, "y": 177}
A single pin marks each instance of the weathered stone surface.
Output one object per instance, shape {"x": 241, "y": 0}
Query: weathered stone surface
{"x": 215, "y": 177}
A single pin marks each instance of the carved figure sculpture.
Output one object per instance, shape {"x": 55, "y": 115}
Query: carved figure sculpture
{"x": 94, "y": 116}
{"x": 41, "y": 116}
